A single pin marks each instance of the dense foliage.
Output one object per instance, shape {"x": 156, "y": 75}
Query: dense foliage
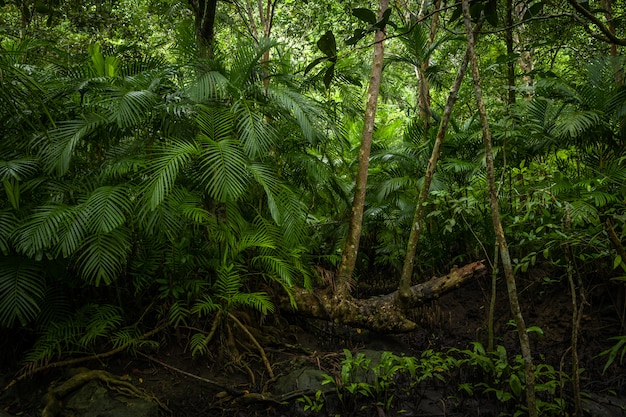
{"x": 147, "y": 182}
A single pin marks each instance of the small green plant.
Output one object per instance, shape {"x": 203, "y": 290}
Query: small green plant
{"x": 614, "y": 351}
{"x": 504, "y": 379}
{"x": 384, "y": 381}
{"x": 314, "y": 404}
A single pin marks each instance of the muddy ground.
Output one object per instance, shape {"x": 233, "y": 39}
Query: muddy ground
{"x": 455, "y": 320}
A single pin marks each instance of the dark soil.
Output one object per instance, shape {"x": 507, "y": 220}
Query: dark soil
{"x": 455, "y": 320}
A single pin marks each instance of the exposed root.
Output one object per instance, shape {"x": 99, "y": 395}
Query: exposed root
{"x": 229, "y": 390}
{"x": 266, "y": 362}
{"x": 52, "y": 399}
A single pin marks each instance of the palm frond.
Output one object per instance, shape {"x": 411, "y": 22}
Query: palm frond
{"x": 108, "y": 207}
{"x": 8, "y": 224}
{"x": 22, "y": 288}
{"x": 129, "y": 108}
{"x": 583, "y": 212}
{"x": 256, "y": 135}
{"x": 42, "y": 229}
{"x": 212, "y": 86}
{"x": 204, "y": 306}
{"x": 574, "y": 123}
{"x": 245, "y": 59}
{"x": 259, "y": 301}
{"x": 223, "y": 166}
{"x": 18, "y": 169}
{"x": 64, "y": 139}
{"x": 216, "y": 122}
{"x": 302, "y": 109}
{"x": 228, "y": 282}
{"x": 102, "y": 320}
{"x": 164, "y": 169}
{"x": 103, "y": 256}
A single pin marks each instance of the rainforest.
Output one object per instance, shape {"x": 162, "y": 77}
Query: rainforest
{"x": 312, "y": 208}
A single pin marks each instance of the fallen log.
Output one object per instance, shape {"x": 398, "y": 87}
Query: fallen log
{"x": 384, "y": 314}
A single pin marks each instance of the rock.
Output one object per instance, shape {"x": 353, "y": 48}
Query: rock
{"x": 94, "y": 400}
{"x": 303, "y": 379}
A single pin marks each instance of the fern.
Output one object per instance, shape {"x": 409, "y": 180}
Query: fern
{"x": 108, "y": 207}
{"x": 102, "y": 319}
{"x": 223, "y": 166}
{"x": 165, "y": 168}
{"x": 103, "y": 256}
{"x": 8, "y": 224}
{"x": 22, "y": 287}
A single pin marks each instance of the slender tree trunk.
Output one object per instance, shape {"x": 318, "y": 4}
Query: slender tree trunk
{"x": 508, "y": 34}
{"x": 497, "y": 223}
{"x": 265, "y": 14}
{"x": 607, "y": 5}
{"x": 418, "y": 216}
{"x": 343, "y": 281}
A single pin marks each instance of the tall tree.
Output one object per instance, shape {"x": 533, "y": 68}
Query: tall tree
{"x": 497, "y": 222}
{"x": 204, "y": 15}
{"x": 343, "y": 281}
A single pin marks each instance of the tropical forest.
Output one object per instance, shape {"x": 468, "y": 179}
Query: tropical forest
{"x": 305, "y": 208}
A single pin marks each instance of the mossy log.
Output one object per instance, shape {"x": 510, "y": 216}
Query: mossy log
{"x": 384, "y": 314}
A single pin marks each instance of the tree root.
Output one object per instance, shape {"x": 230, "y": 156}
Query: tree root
{"x": 51, "y": 400}
{"x": 229, "y": 390}
{"x": 266, "y": 362}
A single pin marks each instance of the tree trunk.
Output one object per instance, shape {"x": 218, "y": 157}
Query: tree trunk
{"x": 343, "y": 281}
{"x": 381, "y": 314}
{"x": 418, "y": 216}
{"x": 204, "y": 14}
{"x": 497, "y": 223}
{"x": 508, "y": 34}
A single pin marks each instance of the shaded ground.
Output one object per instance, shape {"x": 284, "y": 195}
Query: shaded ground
{"x": 455, "y": 320}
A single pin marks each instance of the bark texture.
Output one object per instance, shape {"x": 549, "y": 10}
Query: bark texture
{"x": 351, "y": 246}
{"x": 204, "y": 14}
{"x": 382, "y": 314}
{"x": 497, "y": 222}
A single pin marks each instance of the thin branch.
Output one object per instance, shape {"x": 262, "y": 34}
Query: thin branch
{"x": 608, "y": 35}
{"x": 226, "y": 388}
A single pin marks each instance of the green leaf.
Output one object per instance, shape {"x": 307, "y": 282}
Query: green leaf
{"x": 533, "y": 10}
{"x": 327, "y": 44}
{"x": 491, "y": 12}
{"x": 22, "y": 288}
{"x": 328, "y": 75}
{"x": 534, "y": 329}
{"x": 169, "y": 161}
{"x": 365, "y": 15}
{"x": 108, "y": 207}
{"x": 617, "y": 261}
{"x": 102, "y": 257}
{"x": 314, "y": 64}
{"x": 358, "y": 34}
{"x": 224, "y": 172}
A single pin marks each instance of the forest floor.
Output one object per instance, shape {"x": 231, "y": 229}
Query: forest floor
{"x": 182, "y": 383}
